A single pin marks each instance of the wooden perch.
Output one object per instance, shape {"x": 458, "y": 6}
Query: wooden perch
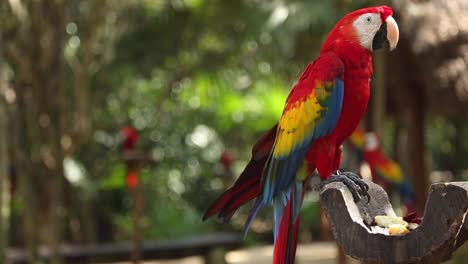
{"x": 441, "y": 232}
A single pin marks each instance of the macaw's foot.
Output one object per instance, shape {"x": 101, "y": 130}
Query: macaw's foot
{"x": 355, "y": 184}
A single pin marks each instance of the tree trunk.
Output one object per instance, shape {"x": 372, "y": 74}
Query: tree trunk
{"x": 41, "y": 88}
{"x": 25, "y": 174}
{"x": 4, "y": 163}
{"x": 52, "y": 119}
{"x": 52, "y": 106}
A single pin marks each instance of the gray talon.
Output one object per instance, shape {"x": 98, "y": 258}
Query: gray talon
{"x": 355, "y": 184}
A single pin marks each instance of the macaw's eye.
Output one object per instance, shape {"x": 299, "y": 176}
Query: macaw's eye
{"x": 369, "y": 19}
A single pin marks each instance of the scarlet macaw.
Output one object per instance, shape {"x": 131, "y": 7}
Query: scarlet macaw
{"x": 368, "y": 148}
{"x": 129, "y": 137}
{"x": 321, "y": 111}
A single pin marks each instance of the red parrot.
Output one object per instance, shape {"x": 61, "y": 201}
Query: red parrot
{"x": 368, "y": 146}
{"x": 129, "y": 136}
{"x": 322, "y": 110}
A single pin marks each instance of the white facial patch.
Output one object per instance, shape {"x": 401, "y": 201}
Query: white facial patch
{"x": 367, "y": 26}
{"x": 371, "y": 142}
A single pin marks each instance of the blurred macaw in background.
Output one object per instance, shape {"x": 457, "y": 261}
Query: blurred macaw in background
{"x": 321, "y": 111}
{"x": 367, "y": 147}
{"x": 129, "y": 138}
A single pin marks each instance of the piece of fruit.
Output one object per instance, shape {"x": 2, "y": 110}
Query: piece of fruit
{"x": 386, "y": 221}
{"x": 397, "y": 230}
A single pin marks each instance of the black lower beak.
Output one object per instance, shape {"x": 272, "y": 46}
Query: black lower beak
{"x": 380, "y": 39}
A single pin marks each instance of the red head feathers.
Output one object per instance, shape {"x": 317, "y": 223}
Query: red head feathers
{"x": 363, "y": 30}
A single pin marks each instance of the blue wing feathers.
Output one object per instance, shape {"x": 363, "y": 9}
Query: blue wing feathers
{"x": 253, "y": 212}
{"x": 333, "y": 113}
{"x": 293, "y": 193}
{"x": 282, "y": 170}
{"x": 278, "y": 209}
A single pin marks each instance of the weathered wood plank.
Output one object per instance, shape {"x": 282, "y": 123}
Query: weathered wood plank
{"x": 442, "y": 231}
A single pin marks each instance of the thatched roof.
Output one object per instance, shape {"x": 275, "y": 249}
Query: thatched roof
{"x": 436, "y": 35}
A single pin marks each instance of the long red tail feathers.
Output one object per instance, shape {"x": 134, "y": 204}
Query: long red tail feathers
{"x": 245, "y": 189}
{"x": 248, "y": 185}
{"x": 286, "y": 240}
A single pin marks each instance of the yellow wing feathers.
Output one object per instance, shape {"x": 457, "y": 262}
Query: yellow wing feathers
{"x": 301, "y": 117}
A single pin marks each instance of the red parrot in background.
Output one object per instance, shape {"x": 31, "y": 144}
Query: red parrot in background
{"x": 368, "y": 148}
{"x": 322, "y": 110}
{"x": 129, "y": 137}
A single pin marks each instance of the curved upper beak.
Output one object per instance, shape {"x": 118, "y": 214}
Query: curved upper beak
{"x": 393, "y": 33}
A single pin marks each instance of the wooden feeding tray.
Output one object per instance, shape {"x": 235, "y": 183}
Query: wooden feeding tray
{"x": 441, "y": 232}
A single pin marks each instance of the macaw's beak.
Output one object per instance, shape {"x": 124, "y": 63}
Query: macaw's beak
{"x": 392, "y": 32}
{"x": 387, "y": 35}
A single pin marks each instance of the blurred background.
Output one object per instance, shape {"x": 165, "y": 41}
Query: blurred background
{"x": 123, "y": 120}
